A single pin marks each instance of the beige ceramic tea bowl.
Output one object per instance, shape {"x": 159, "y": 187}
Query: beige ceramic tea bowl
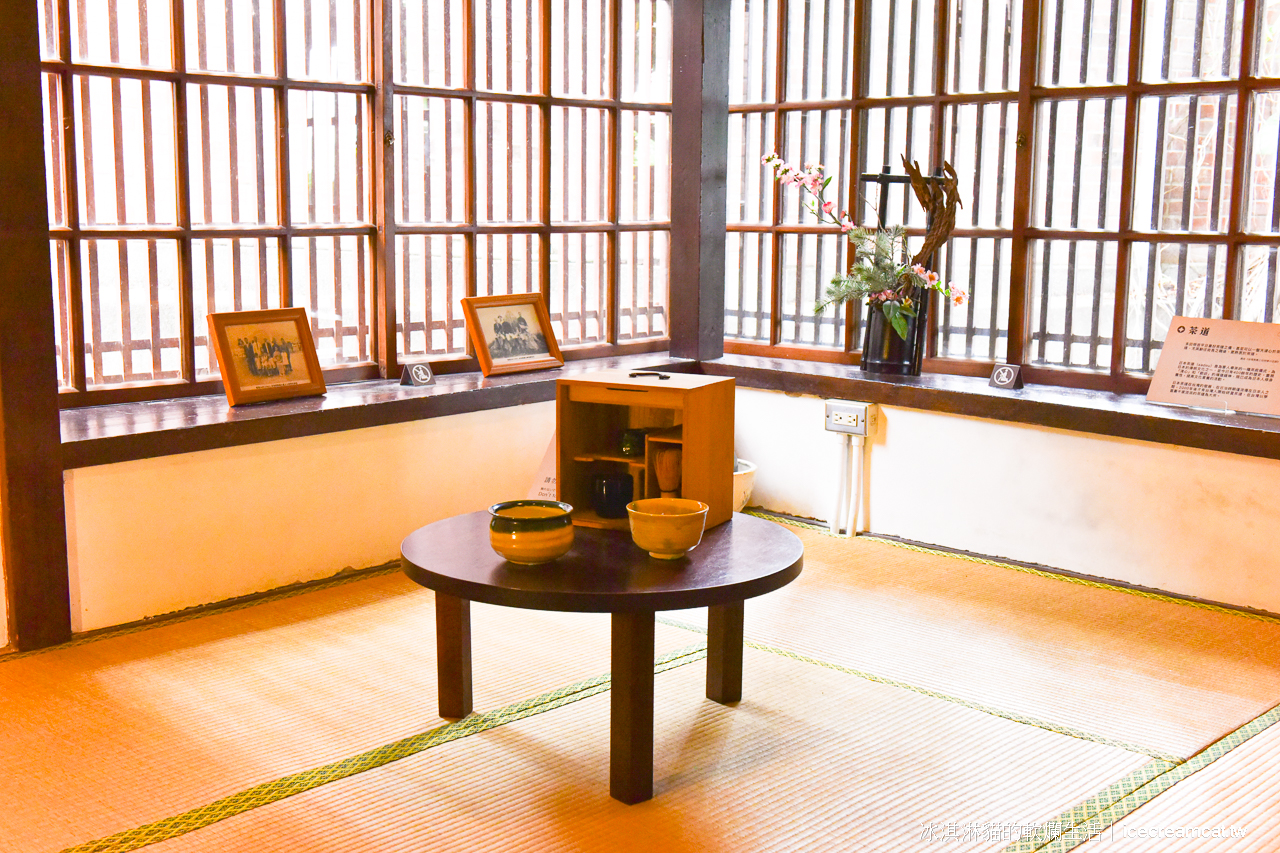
{"x": 667, "y": 527}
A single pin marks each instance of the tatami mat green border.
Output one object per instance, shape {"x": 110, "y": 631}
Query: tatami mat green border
{"x": 1105, "y": 819}
{"x": 1082, "y": 812}
{"x": 307, "y": 780}
{"x": 301, "y": 782}
{"x": 350, "y": 576}
{"x": 1078, "y": 734}
{"x": 1028, "y": 570}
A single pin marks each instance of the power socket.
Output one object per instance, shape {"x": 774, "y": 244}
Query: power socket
{"x": 850, "y": 418}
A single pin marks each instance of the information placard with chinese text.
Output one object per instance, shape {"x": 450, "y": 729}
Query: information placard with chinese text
{"x": 1219, "y": 364}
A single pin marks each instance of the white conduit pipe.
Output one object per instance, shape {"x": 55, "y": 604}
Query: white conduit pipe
{"x": 840, "y": 510}
{"x": 846, "y": 517}
{"x": 855, "y": 485}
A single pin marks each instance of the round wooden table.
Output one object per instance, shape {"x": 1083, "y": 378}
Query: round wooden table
{"x": 605, "y": 572}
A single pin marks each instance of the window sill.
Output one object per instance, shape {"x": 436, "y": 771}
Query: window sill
{"x": 1079, "y": 410}
{"x": 99, "y": 435}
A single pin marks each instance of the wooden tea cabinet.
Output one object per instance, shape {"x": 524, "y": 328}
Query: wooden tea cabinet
{"x": 693, "y": 413}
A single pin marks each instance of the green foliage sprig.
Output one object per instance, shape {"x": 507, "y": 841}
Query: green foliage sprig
{"x": 881, "y": 273}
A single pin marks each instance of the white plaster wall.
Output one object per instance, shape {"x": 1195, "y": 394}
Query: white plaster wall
{"x": 156, "y": 536}
{"x": 159, "y": 535}
{"x": 797, "y": 460}
{"x": 1189, "y": 521}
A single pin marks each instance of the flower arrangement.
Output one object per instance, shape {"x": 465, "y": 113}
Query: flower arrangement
{"x": 881, "y": 272}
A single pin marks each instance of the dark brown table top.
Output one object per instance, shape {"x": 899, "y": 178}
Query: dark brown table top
{"x": 605, "y": 572}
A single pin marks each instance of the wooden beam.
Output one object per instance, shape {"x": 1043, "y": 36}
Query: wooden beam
{"x": 699, "y": 166}
{"x": 33, "y": 533}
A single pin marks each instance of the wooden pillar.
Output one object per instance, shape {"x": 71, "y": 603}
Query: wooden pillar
{"x": 33, "y": 533}
{"x": 699, "y": 158}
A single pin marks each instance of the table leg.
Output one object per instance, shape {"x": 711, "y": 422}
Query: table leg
{"x": 724, "y": 652}
{"x": 453, "y": 655}
{"x": 631, "y": 708}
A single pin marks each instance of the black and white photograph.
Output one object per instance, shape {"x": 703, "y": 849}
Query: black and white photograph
{"x": 511, "y": 333}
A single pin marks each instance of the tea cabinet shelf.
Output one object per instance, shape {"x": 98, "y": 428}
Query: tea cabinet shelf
{"x": 686, "y": 412}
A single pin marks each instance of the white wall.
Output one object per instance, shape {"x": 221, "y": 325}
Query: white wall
{"x": 159, "y": 535}
{"x": 1189, "y": 521}
{"x": 156, "y": 536}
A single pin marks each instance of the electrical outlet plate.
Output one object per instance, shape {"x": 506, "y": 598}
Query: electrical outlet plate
{"x": 849, "y": 418}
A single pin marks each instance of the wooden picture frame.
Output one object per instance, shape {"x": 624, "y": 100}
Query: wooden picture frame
{"x": 265, "y": 355}
{"x": 511, "y": 333}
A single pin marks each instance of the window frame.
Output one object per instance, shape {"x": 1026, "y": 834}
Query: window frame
{"x": 1027, "y": 95}
{"x": 378, "y": 96}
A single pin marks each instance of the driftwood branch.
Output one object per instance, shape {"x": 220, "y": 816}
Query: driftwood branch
{"x": 939, "y": 197}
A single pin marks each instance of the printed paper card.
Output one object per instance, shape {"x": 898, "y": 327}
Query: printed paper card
{"x": 1227, "y": 365}
{"x": 544, "y": 484}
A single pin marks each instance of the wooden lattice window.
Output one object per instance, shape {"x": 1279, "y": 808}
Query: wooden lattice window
{"x": 1118, "y": 164}
{"x": 215, "y": 155}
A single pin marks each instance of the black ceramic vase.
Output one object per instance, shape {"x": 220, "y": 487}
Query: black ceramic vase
{"x": 884, "y": 352}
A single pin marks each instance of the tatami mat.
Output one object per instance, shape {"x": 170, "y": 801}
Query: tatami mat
{"x": 888, "y": 692}
{"x": 122, "y": 731}
{"x": 812, "y": 759}
{"x": 1231, "y": 805}
{"x": 1169, "y": 677}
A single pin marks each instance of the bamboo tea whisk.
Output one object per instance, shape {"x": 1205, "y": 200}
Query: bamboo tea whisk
{"x": 666, "y": 466}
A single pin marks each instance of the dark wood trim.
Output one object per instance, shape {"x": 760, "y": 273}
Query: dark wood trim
{"x": 699, "y": 163}
{"x": 956, "y": 367}
{"x": 1128, "y": 171}
{"x": 1036, "y": 91}
{"x": 188, "y": 326}
{"x": 33, "y": 532}
{"x": 1087, "y": 379}
{"x": 283, "y": 196}
{"x": 545, "y": 114}
{"x": 859, "y": 65}
{"x": 100, "y": 435}
{"x": 71, "y": 207}
{"x": 1241, "y": 187}
{"x": 833, "y": 356}
{"x": 105, "y": 434}
{"x": 383, "y": 144}
{"x": 174, "y": 232}
{"x": 613, "y": 190}
{"x": 1079, "y": 410}
{"x": 534, "y": 99}
{"x": 152, "y": 391}
{"x": 781, "y": 63}
{"x": 583, "y": 352}
{"x": 859, "y": 102}
{"x": 182, "y": 78}
{"x": 1024, "y": 167}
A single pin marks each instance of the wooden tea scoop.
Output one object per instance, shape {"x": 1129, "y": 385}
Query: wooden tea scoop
{"x": 666, "y": 466}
